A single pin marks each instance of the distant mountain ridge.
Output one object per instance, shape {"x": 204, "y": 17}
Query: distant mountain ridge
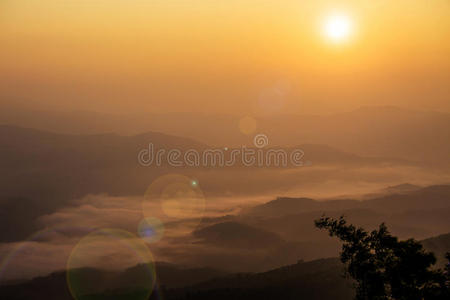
{"x": 439, "y": 245}
{"x": 54, "y": 286}
{"x": 320, "y": 279}
{"x": 43, "y": 171}
{"x": 32, "y": 157}
{"x": 239, "y": 235}
{"x": 369, "y": 131}
{"x": 410, "y": 197}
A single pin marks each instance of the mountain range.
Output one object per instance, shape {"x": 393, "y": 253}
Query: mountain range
{"x": 384, "y": 131}
{"x": 321, "y": 279}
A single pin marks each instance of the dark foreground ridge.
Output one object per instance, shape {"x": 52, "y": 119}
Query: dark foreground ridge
{"x": 320, "y": 279}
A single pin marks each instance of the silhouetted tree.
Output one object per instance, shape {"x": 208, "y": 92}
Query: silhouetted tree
{"x": 385, "y": 268}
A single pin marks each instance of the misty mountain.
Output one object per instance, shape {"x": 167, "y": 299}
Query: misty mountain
{"x": 432, "y": 197}
{"x": 43, "y": 171}
{"x": 439, "y": 245}
{"x": 285, "y": 205}
{"x": 401, "y": 188}
{"x": 39, "y": 161}
{"x": 49, "y": 164}
{"x": 369, "y": 131}
{"x": 420, "y": 214}
{"x": 237, "y": 235}
{"x": 320, "y": 279}
{"x": 173, "y": 276}
{"x": 98, "y": 283}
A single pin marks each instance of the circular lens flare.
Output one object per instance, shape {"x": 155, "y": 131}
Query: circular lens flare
{"x": 103, "y": 262}
{"x": 178, "y": 199}
{"x": 151, "y": 230}
{"x": 40, "y": 254}
{"x": 182, "y": 200}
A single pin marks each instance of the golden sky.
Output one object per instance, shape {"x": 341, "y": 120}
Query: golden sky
{"x": 223, "y": 56}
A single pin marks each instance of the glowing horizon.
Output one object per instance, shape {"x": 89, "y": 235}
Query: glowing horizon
{"x": 191, "y": 56}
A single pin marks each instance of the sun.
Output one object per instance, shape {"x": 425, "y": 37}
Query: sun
{"x": 337, "y": 27}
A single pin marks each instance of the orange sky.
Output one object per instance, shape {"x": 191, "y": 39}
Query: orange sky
{"x": 223, "y": 56}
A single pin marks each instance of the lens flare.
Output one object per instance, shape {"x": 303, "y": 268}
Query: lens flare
{"x": 111, "y": 262}
{"x": 179, "y": 199}
{"x": 43, "y": 252}
{"x": 151, "y": 230}
{"x": 182, "y": 200}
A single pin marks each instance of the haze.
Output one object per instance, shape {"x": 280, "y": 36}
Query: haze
{"x": 116, "y": 117}
{"x": 159, "y": 56}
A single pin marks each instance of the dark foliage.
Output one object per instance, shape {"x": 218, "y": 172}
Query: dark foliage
{"x": 385, "y": 268}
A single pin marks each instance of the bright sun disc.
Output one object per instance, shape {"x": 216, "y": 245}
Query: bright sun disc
{"x": 337, "y": 27}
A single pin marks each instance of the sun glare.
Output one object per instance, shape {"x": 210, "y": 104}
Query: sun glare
{"x": 338, "y": 27}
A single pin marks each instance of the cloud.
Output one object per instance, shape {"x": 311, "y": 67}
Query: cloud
{"x": 98, "y": 211}
{"x": 48, "y": 250}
